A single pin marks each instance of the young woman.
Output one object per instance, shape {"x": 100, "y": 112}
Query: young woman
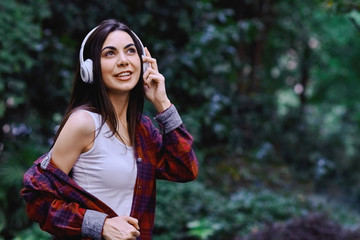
{"x": 98, "y": 180}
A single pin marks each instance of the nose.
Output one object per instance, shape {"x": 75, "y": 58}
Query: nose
{"x": 122, "y": 60}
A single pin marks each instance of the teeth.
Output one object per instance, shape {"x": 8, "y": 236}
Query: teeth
{"x": 124, "y": 74}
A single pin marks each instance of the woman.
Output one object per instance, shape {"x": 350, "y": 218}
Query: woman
{"x": 98, "y": 180}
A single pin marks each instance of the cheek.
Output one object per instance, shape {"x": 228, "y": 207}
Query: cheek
{"x": 105, "y": 66}
{"x": 137, "y": 62}
{"x": 137, "y": 65}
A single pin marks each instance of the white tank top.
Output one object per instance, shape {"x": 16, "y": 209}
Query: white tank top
{"x": 108, "y": 170}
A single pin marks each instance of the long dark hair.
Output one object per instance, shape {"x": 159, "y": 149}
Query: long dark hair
{"x": 93, "y": 97}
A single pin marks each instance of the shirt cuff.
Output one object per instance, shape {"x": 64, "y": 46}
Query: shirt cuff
{"x": 93, "y": 224}
{"x": 169, "y": 119}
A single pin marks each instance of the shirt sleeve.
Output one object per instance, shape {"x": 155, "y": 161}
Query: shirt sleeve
{"x": 45, "y": 204}
{"x": 93, "y": 224}
{"x": 168, "y": 120}
{"x": 176, "y": 160}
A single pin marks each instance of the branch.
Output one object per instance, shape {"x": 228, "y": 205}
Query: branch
{"x": 356, "y": 24}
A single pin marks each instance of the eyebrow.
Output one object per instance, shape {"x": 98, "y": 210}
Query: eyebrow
{"x": 114, "y": 48}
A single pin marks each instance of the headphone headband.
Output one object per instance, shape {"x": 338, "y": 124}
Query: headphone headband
{"x": 81, "y": 55}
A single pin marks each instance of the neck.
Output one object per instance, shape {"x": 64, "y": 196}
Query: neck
{"x": 120, "y": 104}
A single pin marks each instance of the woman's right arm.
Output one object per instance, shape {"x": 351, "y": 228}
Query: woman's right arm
{"x": 66, "y": 218}
{"x": 43, "y": 195}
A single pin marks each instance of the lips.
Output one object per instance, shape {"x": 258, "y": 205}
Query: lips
{"x": 123, "y": 75}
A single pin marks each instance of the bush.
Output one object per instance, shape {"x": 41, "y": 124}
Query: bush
{"x": 32, "y": 233}
{"x": 312, "y": 226}
{"x": 191, "y": 211}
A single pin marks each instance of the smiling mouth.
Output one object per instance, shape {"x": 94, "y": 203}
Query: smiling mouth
{"x": 123, "y": 75}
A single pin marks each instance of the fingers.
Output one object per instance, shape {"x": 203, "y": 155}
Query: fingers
{"x": 152, "y": 77}
{"x": 154, "y": 82}
{"x": 121, "y": 228}
{"x": 136, "y": 233}
{"x": 147, "y": 53}
{"x": 133, "y": 221}
{"x": 152, "y": 61}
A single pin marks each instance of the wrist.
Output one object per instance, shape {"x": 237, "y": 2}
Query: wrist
{"x": 163, "y": 105}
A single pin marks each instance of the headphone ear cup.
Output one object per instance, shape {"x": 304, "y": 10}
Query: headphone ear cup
{"x": 145, "y": 66}
{"x": 86, "y": 71}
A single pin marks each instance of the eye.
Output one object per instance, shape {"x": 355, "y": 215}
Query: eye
{"x": 131, "y": 50}
{"x": 109, "y": 53}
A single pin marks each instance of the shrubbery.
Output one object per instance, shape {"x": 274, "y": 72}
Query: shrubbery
{"x": 193, "y": 211}
{"x": 261, "y": 87}
{"x": 312, "y": 226}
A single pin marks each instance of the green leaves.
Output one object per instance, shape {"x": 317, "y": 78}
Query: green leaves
{"x": 268, "y": 89}
{"x": 20, "y": 33}
{"x": 32, "y": 233}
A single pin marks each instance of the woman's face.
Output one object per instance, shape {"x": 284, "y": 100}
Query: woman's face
{"x": 120, "y": 63}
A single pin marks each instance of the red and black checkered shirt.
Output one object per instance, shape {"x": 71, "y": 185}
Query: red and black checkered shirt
{"x": 58, "y": 204}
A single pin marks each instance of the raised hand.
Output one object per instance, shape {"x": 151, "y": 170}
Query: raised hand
{"x": 154, "y": 84}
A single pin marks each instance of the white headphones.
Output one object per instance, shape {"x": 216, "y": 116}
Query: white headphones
{"x": 86, "y": 68}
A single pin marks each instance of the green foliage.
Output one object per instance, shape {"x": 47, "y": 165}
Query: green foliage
{"x": 268, "y": 90}
{"x": 20, "y": 37}
{"x": 313, "y": 226}
{"x": 341, "y": 6}
{"x": 32, "y": 233}
{"x": 316, "y": 91}
{"x": 192, "y": 211}
{"x": 16, "y": 160}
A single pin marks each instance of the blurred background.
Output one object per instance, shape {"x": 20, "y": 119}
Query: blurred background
{"x": 269, "y": 90}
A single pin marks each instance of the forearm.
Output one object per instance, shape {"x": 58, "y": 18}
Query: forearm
{"x": 59, "y": 209}
{"x": 64, "y": 219}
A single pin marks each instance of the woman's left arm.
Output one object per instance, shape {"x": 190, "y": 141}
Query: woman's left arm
{"x": 176, "y": 160}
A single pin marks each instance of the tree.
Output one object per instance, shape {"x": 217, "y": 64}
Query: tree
{"x": 257, "y": 83}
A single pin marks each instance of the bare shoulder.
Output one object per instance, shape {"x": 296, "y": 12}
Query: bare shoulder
{"x": 80, "y": 122}
{"x": 76, "y": 137}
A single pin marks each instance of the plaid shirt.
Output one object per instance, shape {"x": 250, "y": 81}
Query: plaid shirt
{"x": 64, "y": 209}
